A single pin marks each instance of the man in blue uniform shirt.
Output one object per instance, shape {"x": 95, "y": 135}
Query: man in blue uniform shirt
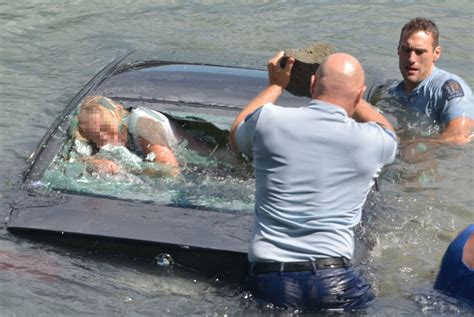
{"x": 444, "y": 97}
{"x": 314, "y": 167}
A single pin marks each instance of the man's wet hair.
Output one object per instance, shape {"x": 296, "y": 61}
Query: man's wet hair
{"x": 421, "y": 24}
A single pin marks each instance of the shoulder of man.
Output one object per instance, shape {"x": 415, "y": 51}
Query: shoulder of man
{"x": 388, "y": 88}
{"x": 245, "y": 130}
{"x": 382, "y": 140}
{"x": 376, "y": 128}
{"x": 266, "y": 108}
{"x": 450, "y": 85}
{"x": 451, "y": 89}
{"x": 388, "y": 132}
{"x": 393, "y": 85}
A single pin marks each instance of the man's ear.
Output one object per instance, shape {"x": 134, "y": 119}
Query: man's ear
{"x": 312, "y": 85}
{"x": 359, "y": 96}
{"x": 436, "y": 53}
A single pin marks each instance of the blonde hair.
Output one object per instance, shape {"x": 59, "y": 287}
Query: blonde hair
{"x": 103, "y": 106}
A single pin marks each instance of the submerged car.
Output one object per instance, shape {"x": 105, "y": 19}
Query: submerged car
{"x": 200, "y": 220}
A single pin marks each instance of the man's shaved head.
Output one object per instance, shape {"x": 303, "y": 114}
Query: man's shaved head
{"x": 340, "y": 79}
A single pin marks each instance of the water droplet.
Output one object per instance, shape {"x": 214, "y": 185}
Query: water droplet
{"x": 164, "y": 260}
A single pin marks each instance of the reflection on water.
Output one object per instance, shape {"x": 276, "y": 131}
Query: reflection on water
{"x": 51, "y": 279}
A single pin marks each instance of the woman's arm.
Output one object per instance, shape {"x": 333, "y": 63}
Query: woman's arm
{"x": 100, "y": 165}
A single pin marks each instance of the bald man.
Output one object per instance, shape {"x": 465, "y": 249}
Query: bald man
{"x": 314, "y": 167}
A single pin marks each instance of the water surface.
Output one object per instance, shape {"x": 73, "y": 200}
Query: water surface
{"x": 50, "y": 49}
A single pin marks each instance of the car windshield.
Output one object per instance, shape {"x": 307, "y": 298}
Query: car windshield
{"x": 214, "y": 179}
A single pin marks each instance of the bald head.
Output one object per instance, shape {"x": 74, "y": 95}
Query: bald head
{"x": 339, "y": 80}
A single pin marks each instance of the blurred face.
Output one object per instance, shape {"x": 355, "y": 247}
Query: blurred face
{"x": 416, "y": 58}
{"x": 100, "y": 129}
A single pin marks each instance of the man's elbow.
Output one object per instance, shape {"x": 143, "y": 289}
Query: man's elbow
{"x": 458, "y": 131}
{"x": 233, "y": 142}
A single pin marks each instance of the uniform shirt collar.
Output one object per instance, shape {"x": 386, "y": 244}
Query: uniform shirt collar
{"x": 400, "y": 89}
{"x": 327, "y": 107}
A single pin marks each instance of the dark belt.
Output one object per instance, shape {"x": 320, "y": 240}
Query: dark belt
{"x": 310, "y": 265}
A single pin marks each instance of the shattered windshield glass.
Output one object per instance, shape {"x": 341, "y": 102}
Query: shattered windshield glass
{"x": 210, "y": 175}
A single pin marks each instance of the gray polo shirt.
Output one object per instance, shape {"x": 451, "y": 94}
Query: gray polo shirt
{"x": 314, "y": 167}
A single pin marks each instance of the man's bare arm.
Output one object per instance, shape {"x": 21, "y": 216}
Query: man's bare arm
{"x": 364, "y": 112}
{"x": 457, "y": 131}
{"x": 278, "y": 80}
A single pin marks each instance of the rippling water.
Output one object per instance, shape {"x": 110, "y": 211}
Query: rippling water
{"x": 50, "y": 49}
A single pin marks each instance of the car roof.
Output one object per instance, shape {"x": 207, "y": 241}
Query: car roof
{"x": 164, "y": 86}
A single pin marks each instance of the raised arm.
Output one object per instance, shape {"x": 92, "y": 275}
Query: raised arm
{"x": 278, "y": 79}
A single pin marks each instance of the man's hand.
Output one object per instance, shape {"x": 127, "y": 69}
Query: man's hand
{"x": 279, "y": 76}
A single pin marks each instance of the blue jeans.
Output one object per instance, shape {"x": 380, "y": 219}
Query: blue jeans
{"x": 338, "y": 288}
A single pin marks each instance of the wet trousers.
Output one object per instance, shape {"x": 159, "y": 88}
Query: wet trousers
{"x": 336, "y": 288}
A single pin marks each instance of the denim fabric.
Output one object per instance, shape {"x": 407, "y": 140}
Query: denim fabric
{"x": 455, "y": 277}
{"x": 322, "y": 289}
